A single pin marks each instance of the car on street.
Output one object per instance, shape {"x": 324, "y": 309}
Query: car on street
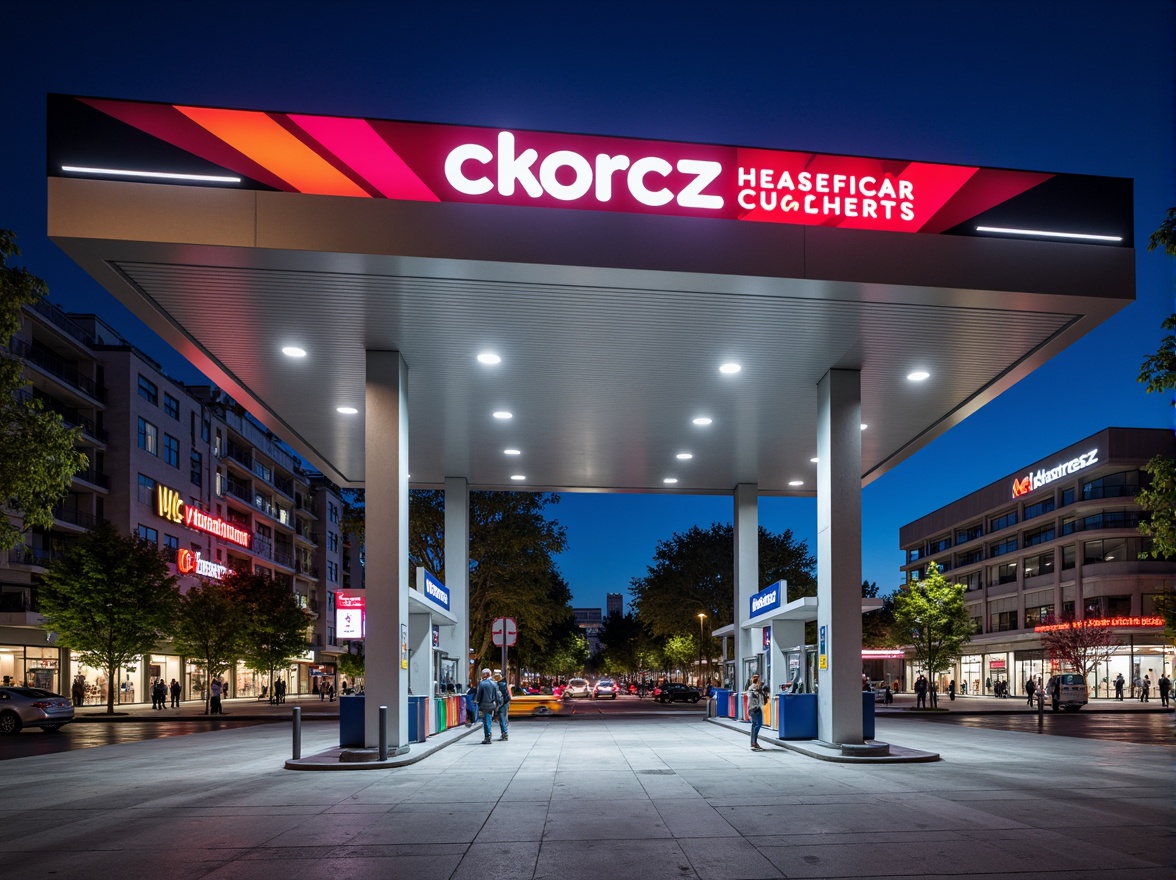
{"x": 676, "y": 693}
{"x": 22, "y": 707}
{"x": 605, "y": 689}
{"x": 524, "y": 704}
{"x": 576, "y": 687}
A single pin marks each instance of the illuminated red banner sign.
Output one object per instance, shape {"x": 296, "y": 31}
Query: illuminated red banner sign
{"x": 190, "y": 562}
{"x": 424, "y": 162}
{"x": 170, "y": 506}
{"x": 1136, "y": 622}
{"x": 350, "y": 614}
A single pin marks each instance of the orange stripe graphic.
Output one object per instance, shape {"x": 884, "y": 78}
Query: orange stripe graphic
{"x": 264, "y": 141}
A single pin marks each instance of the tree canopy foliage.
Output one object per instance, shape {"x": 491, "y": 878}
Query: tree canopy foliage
{"x": 930, "y": 616}
{"x": 110, "y": 600}
{"x": 275, "y": 628}
{"x": 694, "y": 571}
{"x": 878, "y": 626}
{"x": 1082, "y": 645}
{"x": 210, "y": 629}
{"x": 37, "y": 455}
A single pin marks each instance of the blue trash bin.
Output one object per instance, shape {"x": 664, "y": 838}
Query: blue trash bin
{"x": 797, "y": 714}
{"x": 867, "y": 714}
{"x": 351, "y": 711}
{"x": 416, "y": 719}
{"x": 722, "y": 702}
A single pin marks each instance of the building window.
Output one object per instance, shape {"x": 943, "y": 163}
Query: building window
{"x": 1005, "y": 573}
{"x": 332, "y": 541}
{"x": 1069, "y": 556}
{"x": 939, "y": 546}
{"x": 171, "y": 547}
{"x": 1003, "y": 522}
{"x": 915, "y": 555}
{"x": 1121, "y": 485}
{"x": 1000, "y": 548}
{"x": 1067, "y": 496}
{"x": 1108, "y": 606}
{"x": 1039, "y": 565}
{"x": 971, "y": 581}
{"x": 146, "y": 489}
{"x": 1037, "y": 616}
{"x": 333, "y": 512}
{"x": 148, "y": 391}
{"x": 333, "y": 572}
{"x": 171, "y": 450}
{"x": 196, "y": 471}
{"x": 148, "y": 437}
{"x": 968, "y": 534}
{"x": 1039, "y": 536}
{"x": 1002, "y": 621}
{"x": 972, "y": 556}
{"x": 1107, "y": 550}
{"x": 1069, "y": 525}
{"x": 148, "y": 534}
{"x": 1112, "y": 519}
{"x": 171, "y": 406}
{"x": 1038, "y": 509}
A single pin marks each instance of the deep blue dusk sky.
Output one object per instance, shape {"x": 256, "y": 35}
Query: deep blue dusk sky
{"x": 1075, "y": 87}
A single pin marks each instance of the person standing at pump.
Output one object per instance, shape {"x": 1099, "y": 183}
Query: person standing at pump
{"x": 487, "y": 698}
{"x": 504, "y": 709}
{"x": 755, "y": 710}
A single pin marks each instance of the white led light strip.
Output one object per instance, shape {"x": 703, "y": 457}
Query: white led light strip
{"x": 163, "y": 175}
{"x": 1080, "y": 235}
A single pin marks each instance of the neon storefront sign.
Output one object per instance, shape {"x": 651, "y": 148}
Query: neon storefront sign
{"x": 425, "y": 162}
{"x": 1035, "y": 480}
{"x": 190, "y": 562}
{"x": 170, "y": 506}
{"x": 1155, "y": 622}
{"x": 350, "y": 613}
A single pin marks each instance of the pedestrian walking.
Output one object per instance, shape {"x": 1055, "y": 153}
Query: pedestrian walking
{"x": 79, "y": 690}
{"x": 487, "y": 697}
{"x": 951, "y": 688}
{"x": 920, "y": 692}
{"x": 214, "y": 702}
{"x": 755, "y": 710}
{"x": 504, "y": 709}
{"x": 1119, "y": 682}
{"x": 1165, "y": 685}
{"x": 1145, "y": 690}
{"x": 1030, "y": 689}
{"x": 174, "y": 690}
{"x": 159, "y": 695}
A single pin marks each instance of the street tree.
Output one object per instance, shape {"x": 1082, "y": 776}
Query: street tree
{"x": 930, "y": 616}
{"x": 210, "y": 629}
{"x": 623, "y": 641}
{"x": 569, "y": 657}
{"x": 353, "y": 664}
{"x": 1158, "y": 372}
{"x": 694, "y": 571}
{"x": 878, "y": 626}
{"x": 679, "y": 651}
{"x": 37, "y": 455}
{"x": 110, "y": 600}
{"x": 276, "y": 626}
{"x": 1080, "y": 644}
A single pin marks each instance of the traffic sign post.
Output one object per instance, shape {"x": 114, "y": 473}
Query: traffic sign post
{"x": 504, "y": 631}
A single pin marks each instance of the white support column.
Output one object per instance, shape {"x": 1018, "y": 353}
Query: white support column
{"x": 386, "y": 547}
{"x": 746, "y": 574}
{"x": 839, "y": 557}
{"x": 455, "y": 641}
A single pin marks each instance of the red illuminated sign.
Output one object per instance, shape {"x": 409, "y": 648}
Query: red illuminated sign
{"x": 190, "y": 562}
{"x": 1032, "y": 481}
{"x": 170, "y": 506}
{"x": 1137, "y": 622}
{"x": 374, "y": 158}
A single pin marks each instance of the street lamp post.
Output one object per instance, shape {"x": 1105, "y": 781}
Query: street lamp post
{"x": 701, "y": 618}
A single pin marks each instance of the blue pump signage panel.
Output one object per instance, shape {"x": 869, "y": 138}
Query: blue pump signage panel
{"x": 768, "y": 599}
{"x": 435, "y": 591}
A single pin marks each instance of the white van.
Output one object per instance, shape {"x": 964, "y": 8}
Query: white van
{"x": 1066, "y": 690}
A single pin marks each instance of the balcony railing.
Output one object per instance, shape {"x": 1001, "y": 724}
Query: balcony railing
{"x": 94, "y": 476}
{"x": 63, "y": 322}
{"x": 240, "y": 455}
{"x": 58, "y": 367}
{"x": 69, "y": 416}
{"x": 286, "y": 560}
{"x": 76, "y": 517}
{"x": 22, "y": 555}
{"x": 17, "y": 600}
{"x": 306, "y": 568}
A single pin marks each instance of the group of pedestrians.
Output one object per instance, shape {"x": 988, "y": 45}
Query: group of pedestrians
{"x": 161, "y": 691}
{"x": 490, "y": 700}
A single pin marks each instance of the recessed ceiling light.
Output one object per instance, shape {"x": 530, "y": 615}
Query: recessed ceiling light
{"x": 489, "y": 357}
{"x": 864, "y": 426}
{"x": 512, "y": 452}
{"x": 294, "y": 351}
{"x": 814, "y": 459}
{"x": 346, "y": 410}
{"x": 1049, "y": 233}
{"x": 503, "y": 414}
{"x": 670, "y": 480}
{"x": 730, "y": 368}
{"x": 918, "y": 375}
{"x": 796, "y": 482}
{"x": 702, "y": 420}
{"x": 518, "y": 476}
{"x": 684, "y": 456}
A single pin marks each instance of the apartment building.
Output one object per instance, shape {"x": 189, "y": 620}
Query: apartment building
{"x": 1059, "y": 537}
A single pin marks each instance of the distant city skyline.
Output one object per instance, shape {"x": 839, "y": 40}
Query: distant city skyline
{"x": 1074, "y": 88}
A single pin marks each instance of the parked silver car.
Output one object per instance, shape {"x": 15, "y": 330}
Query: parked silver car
{"x": 32, "y": 707}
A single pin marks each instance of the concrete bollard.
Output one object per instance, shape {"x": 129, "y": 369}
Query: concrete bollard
{"x": 297, "y": 732}
{"x": 383, "y": 733}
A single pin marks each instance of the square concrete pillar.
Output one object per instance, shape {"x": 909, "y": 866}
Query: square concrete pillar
{"x": 455, "y": 641}
{"x": 746, "y": 573}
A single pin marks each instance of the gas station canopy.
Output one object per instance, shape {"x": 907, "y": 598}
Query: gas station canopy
{"x": 613, "y": 277}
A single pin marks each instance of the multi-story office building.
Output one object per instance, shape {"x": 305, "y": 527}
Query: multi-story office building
{"x": 183, "y": 468}
{"x": 614, "y": 603}
{"x": 1057, "y": 540}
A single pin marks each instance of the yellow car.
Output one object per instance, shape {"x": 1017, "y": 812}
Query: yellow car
{"x": 523, "y": 704}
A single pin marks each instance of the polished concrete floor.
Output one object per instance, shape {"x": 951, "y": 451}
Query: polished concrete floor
{"x": 606, "y": 799}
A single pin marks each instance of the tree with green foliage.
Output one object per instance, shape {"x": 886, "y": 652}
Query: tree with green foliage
{"x": 624, "y": 640}
{"x": 694, "y": 571}
{"x": 37, "y": 455}
{"x": 877, "y": 626}
{"x": 679, "y": 652}
{"x": 276, "y": 628}
{"x": 110, "y": 600}
{"x": 1158, "y": 372}
{"x": 1083, "y": 645}
{"x": 210, "y": 629}
{"x": 930, "y": 616}
{"x": 569, "y": 657}
{"x": 353, "y": 664}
